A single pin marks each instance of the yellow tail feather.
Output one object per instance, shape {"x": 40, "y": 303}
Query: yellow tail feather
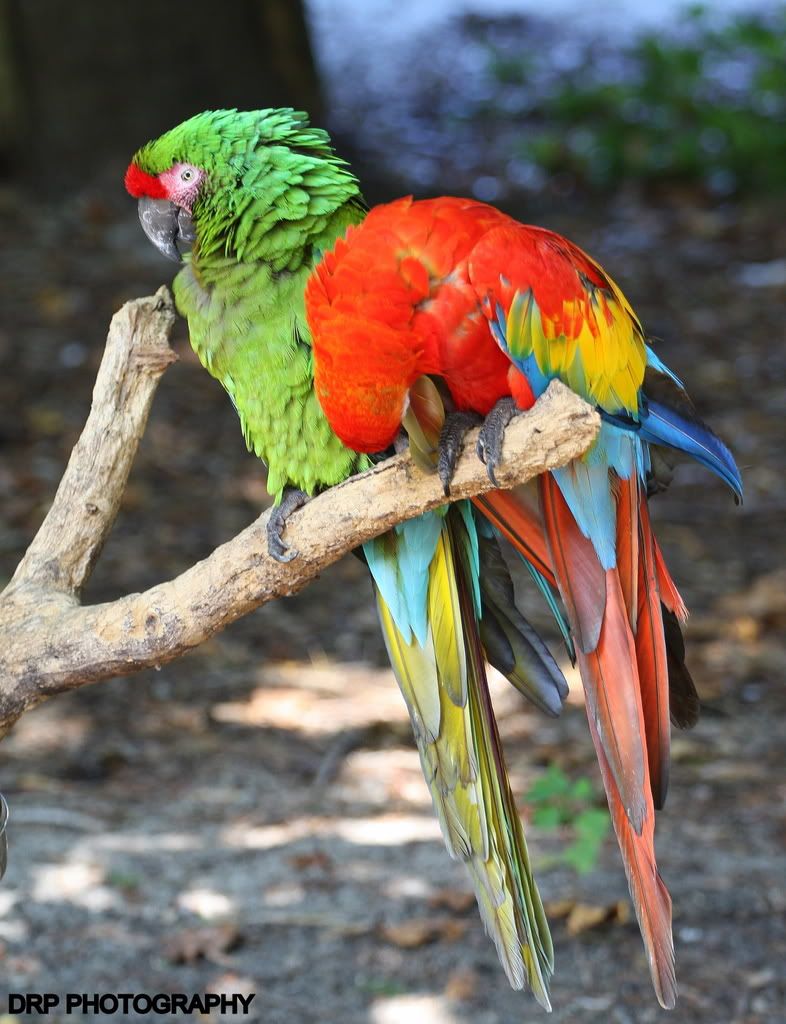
{"x": 445, "y": 688}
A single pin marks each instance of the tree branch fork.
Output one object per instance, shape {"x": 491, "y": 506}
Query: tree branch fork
{"x": 50, "y": 642}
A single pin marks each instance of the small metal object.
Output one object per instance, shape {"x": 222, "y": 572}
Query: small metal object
{"x": 3, "y": 837}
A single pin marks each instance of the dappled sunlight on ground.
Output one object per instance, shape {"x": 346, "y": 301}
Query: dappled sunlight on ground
{"x": 312, "y": 698}
{"x": 206, "y": 903}
{"x": 412, "y": 1009}
{"x": 76, "y": 882}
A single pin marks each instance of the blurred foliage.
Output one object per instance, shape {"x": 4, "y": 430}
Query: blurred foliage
{"x": 560, "y": 803}
{"x": 706, "y": 105}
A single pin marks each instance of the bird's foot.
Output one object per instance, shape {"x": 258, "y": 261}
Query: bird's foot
{"x": 492, "y": 435}
{"x": 292, "y": 500}
{"x": 451, "y": 443}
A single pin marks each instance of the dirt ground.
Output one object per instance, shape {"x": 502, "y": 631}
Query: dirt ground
{"x": 253, "y": 818}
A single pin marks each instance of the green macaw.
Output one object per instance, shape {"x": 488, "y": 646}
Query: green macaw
{"x": 258, "y": 196}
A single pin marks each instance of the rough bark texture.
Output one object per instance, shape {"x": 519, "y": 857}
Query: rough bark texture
{"x": 50, "y": 643}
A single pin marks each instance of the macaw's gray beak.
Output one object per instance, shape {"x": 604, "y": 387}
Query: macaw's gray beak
{"x": 169, "y": 227}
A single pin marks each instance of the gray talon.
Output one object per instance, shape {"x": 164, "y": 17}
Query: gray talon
{"x": 451, "y": 443}
{"x": 492, "y": 435}
{"x": 277, "y": 547}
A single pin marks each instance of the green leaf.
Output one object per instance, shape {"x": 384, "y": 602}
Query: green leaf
{"x": 547, "y": 817}
{"x": 582, "y": 855}
{"x": 592, "y": 823}
{"x": 554, "y": 783}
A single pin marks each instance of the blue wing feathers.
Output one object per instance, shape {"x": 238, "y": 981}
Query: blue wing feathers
{"x": 399, "y": 562}
{"x": 658, "y": 365}
{"x": 662, "y": 425}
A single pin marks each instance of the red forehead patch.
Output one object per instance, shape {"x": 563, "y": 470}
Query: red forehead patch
{"x": 138, "y": 183}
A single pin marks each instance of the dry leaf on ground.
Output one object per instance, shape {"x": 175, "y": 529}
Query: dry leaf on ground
{"x": 211, "y": 942}
{"x": 581, "y": 917}
{"x": 419, "y": 931}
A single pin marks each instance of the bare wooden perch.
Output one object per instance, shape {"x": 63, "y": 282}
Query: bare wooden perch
{"x": 49, "y": 642}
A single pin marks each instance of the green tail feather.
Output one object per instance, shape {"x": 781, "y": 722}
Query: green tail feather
{"x": 445, "y": 689}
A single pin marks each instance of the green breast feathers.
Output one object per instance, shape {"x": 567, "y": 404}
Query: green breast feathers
{"x": 248, "y": 331}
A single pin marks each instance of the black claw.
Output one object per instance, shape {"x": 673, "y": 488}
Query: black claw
{"x": 492, "y": 435}
{"x": 480, "y": 450}
{"x": 446, "y": 467}
{"x": 277, "y": 548}
{"x": 451, "y": 443}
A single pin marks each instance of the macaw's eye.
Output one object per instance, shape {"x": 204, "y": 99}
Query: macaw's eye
{"x": 186, "y": 174}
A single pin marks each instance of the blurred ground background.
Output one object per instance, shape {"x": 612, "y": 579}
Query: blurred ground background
{"x": 253, "y": 818}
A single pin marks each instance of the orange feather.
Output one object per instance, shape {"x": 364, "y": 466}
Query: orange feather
{"x": 513, "y": 516}
{"x": 579, "y": 574}
{"x": 611, "y": 688}
{"x": 669, "y": 594}
{"x": 651, "y": 900}
{"x": 608, "y": 667}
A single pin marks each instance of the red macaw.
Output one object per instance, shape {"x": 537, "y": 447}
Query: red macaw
{"x": 454, "y": 289}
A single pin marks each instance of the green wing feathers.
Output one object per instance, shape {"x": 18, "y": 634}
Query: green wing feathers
{"x": 444, "y": 684}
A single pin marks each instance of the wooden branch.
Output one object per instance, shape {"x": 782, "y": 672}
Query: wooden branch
{"x": 49, "y": 643}
{"x": 66, "y": 547}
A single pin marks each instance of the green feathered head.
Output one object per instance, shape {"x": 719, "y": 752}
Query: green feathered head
{"x": 229, "y": 181}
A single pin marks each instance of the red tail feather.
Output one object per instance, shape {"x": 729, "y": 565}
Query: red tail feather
{"x": 607, "y": 655}
{"x": 611, "y": 688}
{"x": 652, "y": 661}
{"x": 628, "y": 544}
{"x": 512, "y": 515}
{"x": 623, "y": 708}
{"x": 579, "y": 574}
{"x": 651, "y": 899}
{"x": 668, "y": 590}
